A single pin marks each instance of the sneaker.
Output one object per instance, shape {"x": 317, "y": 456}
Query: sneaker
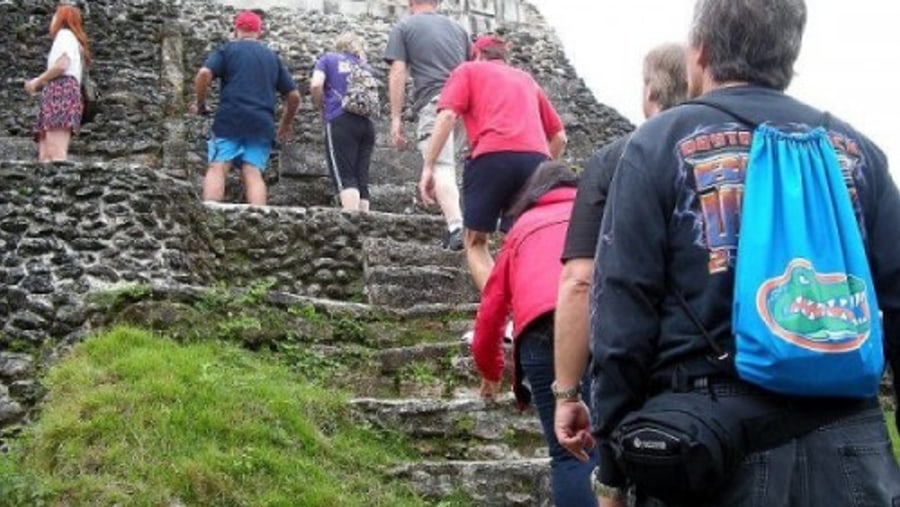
{"x": 468, "y": 337}
{"x": 453, "y": 240}
{"x": 508, "y": 332}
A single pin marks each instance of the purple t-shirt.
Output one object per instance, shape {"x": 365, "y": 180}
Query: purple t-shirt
{"x": 336, "y": 67}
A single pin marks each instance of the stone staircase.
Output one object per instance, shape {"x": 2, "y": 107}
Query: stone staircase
{"x": 489, "y": 452}
{"x": 425, "y": 385}
{"x": 402, "y": 274}
{"x": 428, "y": 389}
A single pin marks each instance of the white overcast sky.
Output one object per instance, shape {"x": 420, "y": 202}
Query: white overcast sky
{"x": 849, "y": 64}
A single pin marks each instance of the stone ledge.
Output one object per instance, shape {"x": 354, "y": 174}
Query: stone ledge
{"x": 509, "y": 483}
{"x": 454, "y": 418}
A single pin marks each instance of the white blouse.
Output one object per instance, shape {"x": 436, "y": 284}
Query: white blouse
{"x": 65, "y": 43}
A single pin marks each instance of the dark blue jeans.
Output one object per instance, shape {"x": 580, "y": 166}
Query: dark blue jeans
{"x": 848, "y": 463}
{"x": 570, "y": 479}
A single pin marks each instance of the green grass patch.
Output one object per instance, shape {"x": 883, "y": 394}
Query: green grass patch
{"x": 135, "y": 419}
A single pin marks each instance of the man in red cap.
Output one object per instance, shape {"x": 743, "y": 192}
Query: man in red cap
{"x": 512, "y": 128}
{"x": 244, "y": 127}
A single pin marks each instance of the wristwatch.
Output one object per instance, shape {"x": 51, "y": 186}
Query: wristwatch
{"x": 607, "y": 491}
{"x": 569, "y": 394}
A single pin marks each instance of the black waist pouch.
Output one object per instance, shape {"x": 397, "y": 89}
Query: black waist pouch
{"x": 679, "y": 447}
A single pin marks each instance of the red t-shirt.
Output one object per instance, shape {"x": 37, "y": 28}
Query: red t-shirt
{"x": 503, "y": 108}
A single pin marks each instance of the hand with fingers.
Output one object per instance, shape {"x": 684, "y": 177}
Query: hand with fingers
{"x": 285, "y": 132}
{"x": 489, "y": 389}
{"x": 397, "y": 134}
{"x": 426, "y": 185}
{"x": 572, "y": 424}
{"x": 32, "y": 86}
{"x": 198, "y": 109}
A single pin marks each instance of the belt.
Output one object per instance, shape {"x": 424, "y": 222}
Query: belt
{"x": 723, "y": 386}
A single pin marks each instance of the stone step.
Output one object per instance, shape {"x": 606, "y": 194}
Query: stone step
{"x": 297, "y": 179}
{"x": 406, "y": 286}
{"x": 399, "y": 198}
{"x": 428, "y": 370}
{"x": 388, "y": 166}
{"x": 395, "y": 167}
{"x": 396, "y": 359}
{"x": 419, "y": 228}
{"x": 17, "y": 148}
{"x": 296, "y": 191}
{"x": 389, "y": 252}
{"x": 491, "y": 483}
{"x": 467, "y": 427}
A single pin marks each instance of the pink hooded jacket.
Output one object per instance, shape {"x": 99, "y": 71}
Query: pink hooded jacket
{"x": 524, "y": 280}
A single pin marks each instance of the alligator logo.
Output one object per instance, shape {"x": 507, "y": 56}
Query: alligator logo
{"x": 820, "y": 312}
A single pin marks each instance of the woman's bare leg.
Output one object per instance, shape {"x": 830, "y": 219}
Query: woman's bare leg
{"x": 56, "y": 145}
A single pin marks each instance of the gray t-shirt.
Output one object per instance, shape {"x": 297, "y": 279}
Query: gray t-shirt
{"x": 432, "y": 45}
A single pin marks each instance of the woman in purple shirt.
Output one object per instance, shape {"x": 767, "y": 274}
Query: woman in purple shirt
{"x": 349, "y": 137}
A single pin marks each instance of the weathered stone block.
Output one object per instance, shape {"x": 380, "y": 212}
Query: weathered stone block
{"x": 15, "y": 366}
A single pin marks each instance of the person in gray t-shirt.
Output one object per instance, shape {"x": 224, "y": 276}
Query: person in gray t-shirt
{"x": 430, "y": 45}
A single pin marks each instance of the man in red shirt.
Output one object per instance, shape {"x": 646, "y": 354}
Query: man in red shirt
{"x": 512, "y": 128}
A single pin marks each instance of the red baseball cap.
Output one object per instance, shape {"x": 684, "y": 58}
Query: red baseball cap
{"x": 248, "y": 21}
{"x": 485, "y": 42}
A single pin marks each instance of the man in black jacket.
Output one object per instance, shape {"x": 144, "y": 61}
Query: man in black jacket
{"x": 666, "y": 235}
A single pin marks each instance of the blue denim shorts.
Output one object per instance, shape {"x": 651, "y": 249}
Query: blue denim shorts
{"x": 238, "y": 152}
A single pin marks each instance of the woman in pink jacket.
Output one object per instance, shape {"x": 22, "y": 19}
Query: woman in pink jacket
{"x": 524, "y": 282}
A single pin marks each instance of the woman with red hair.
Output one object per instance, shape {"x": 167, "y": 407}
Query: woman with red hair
{"x": 61, "y": 101}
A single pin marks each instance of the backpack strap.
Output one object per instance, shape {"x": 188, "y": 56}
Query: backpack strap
{"x": 722, "y": 355}
{"x": 826, "y": 116}
{"x": 728, "y": 111}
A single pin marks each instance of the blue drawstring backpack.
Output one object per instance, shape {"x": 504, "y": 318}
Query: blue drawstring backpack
{"x": 805, "y": 316}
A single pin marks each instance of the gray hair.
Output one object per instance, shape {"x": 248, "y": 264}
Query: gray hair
{"x": 349, "y": 42}
{"x": 665, "y": 75}
{"x": 756, "y": 41}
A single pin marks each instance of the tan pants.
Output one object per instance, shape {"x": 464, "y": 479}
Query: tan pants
{"x": 445, "y": 186}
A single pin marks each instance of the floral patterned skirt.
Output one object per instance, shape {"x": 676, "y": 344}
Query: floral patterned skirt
{"x": 61, "y": 107}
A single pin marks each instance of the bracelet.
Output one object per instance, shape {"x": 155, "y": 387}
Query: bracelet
{"x": 568, "y": 394}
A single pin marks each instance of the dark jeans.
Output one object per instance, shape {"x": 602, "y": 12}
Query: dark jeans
{"x": 848, "y": 463}
{"x": 570, "y": 479}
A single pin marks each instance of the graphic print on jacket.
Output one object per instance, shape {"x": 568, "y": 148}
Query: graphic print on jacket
{"x": 713, "y": 160}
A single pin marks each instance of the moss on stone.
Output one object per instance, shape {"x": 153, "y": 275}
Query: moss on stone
{"x": 114, "y": 299}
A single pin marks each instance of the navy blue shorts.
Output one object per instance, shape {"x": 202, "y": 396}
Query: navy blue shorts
{"x": 491, "y": 183}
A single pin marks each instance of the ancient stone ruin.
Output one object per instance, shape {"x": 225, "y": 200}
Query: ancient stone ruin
{"x": 124, "y": 218}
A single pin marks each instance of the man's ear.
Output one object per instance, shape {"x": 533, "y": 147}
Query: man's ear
{"x": 702, "y": 56}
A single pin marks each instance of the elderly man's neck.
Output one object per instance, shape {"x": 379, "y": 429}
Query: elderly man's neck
{"x": 710, "y": 84}
{"x": 242, "y": 35}
{"x": 417, "y": 8}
